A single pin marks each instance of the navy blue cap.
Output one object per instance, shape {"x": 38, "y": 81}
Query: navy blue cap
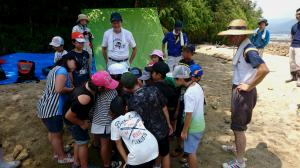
{"x": 190, "y": 48}
{"x": 178, "y": 24}
{"x": 115, "y": 16}
{"x": 136, "y": 71}
{"x": 196, "y": 70}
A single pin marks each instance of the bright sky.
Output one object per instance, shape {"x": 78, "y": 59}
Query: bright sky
{"x": 278, "y": 9}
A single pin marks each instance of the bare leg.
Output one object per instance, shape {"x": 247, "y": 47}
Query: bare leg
{"x": 56, "y": 141}
{"x": 193, "y": 163}
{"x": 83, "y": 155}
{"x": 240, "y": 143}
{"x": 105, "y": 151}
{"x": 158, "y": 161}
{"x": 76, "y": 155}
{"x": 166, "y": 161}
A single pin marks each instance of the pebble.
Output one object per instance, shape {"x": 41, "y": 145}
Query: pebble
{"x": 17, "y": 151}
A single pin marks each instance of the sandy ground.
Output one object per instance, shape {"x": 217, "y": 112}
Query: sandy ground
{"x": 273, "y": 136}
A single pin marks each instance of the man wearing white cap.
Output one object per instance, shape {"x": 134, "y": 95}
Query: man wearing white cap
{"x": 58, "y": 45}
{"x": 249, "y": 71}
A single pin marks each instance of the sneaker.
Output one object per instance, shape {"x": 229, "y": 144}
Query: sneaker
{"x": 234, "y": 164}
{"x": 116, "y": 164}
{"x": 176, "y": 152}
{"x": 66, "y": 160}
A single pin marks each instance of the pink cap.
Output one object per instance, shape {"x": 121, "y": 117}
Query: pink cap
{"x": 158, "y": 53}
{"x": 103, "y": 79}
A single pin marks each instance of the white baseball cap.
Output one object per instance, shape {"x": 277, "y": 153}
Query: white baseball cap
{"x": 57, "y": 41}
{"x": 181, "y": 71}
{"x": 117, "y": 69}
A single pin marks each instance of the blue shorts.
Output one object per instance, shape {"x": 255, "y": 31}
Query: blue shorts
{"x": 190, "y": 145}
{"x": 80, "y": 136}
{"x": 54, "y": 124}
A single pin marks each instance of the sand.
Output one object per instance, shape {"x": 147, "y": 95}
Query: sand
{"x": 273, "y": 137}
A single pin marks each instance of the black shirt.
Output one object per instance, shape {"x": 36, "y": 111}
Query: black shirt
{"x": 148, "y": 102}
{"x": 81, "y": 111}
{"x": 187, "y": 62}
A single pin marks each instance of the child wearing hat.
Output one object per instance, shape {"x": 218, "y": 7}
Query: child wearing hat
{"x": 101, "y": 122}
{"x": 194, "y": 123}
{"x": 77, "y": 116}
{"x": 196, "y": 72}
{"x": 58, "y": 45}
{"x": 82, "y": 75}
{"x": 82, "y": 27}
{"x": 129, "y": 127}
{"x": 156, "y": 56}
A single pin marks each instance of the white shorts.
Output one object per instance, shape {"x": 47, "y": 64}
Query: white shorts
{"x": 294, "y": 59}
{"x": 173, "y": 62}
{"x": 125, "y": 63}
{"x": 99, "y": 129}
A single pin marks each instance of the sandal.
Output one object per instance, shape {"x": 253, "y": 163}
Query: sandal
{"x": 183, "y": 159}
{"x": 66, "y": 160}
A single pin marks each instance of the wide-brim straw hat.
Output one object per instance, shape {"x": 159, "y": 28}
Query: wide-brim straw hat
{"x": 235, "y": 28}
{"x": 82, "y": 17}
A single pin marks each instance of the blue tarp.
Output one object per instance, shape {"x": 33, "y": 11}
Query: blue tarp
{"x": 10, "y": 66}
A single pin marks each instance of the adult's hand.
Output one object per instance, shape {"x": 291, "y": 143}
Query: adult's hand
{"x": 244, "y": 87}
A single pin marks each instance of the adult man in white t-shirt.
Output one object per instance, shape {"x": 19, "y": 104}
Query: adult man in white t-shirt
{"x": 116, "y": 43}
{"x": 142, "y": 145}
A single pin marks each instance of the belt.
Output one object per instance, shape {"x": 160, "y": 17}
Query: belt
{"x": 124, "y": 60}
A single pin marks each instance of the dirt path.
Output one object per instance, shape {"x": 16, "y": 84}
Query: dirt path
{"x": 273, "y": 135}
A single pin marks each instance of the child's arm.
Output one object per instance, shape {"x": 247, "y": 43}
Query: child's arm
{"x": 166, "y": 113}
{"x": 186, "y": 126}
{"x": 121, "y": 149}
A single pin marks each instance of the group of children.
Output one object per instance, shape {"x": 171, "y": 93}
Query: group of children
{"x": 143, "y": 109}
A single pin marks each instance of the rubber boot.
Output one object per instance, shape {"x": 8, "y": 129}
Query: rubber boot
{"x": 294, "y": 77}
{"x": 298, "y": 79}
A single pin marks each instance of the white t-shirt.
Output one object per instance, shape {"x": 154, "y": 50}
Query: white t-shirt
{"x": 120, "y": 49}
{"x": 58, "y": 55}
{"x": 141, "y": 144}
{"x": 194, "y": 103}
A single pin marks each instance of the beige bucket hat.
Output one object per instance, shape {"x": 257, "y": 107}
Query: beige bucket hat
{"x": 235, "y": 28}
{"x": 82, "y": 17}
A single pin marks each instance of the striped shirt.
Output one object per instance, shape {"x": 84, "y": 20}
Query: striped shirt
{"x": 48, "y": 105}
{"x": 102, "y": 107}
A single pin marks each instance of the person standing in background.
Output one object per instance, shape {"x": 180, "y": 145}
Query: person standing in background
{"x": 58, "y": 45}
{"x": 261, "y": 38}
{"x": 116, "y": 43}
{"x": 176, "y": 40}
{"x": 82, "y": 27}
{"x": 295, "y": 51}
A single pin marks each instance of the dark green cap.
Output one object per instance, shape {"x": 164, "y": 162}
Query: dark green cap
{"x": 128, "y": 80}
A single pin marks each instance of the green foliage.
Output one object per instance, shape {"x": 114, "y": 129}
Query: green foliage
{"x": 30, "y": 25}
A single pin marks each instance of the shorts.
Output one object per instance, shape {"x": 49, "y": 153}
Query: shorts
{"x": 102, "y": 131}
{"x": 164, "y": 146}
{"x": 190, "y": 145}
{"x": 144, "y": 165}
{"x": 54, "y": 124}
{"x": 242, "y": 105}
{"x": 80, "y": 136}
{"x": 173, "y": 62}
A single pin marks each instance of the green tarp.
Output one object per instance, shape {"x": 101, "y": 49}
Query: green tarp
{"x": 142, "y": 22}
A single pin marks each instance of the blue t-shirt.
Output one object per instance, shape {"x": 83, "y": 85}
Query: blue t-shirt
{"x": 174, "y": 46}
{"x": 295, "y": 32}
{"x": 83, "y": 74}
{"x": 253, "y": 58}
{"x": 258, "y": 41}
{"x": 63, "y": 97}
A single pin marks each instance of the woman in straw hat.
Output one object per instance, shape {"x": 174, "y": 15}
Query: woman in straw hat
{"x": 249, "y": 71}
